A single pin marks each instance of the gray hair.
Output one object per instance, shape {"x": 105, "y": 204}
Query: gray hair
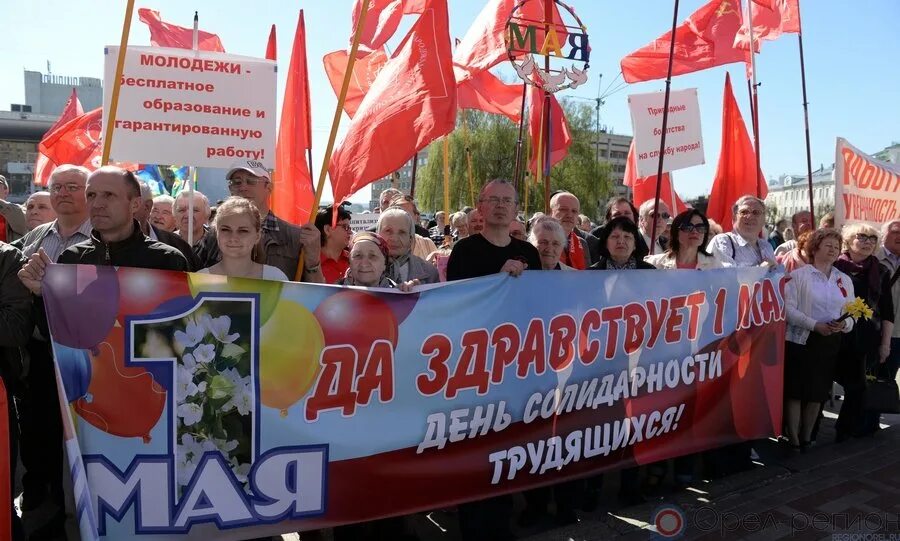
{"x": 35, "y": 194}
{"x": 886, "y": 228}
{"x": 744, "y": 200}
{"x": 390, "y": 193}
{"x": 648, "y": 206}
{"x": 146, "y": 191}
{"x": 164, "y": 199}
{"x": 456, "y": 216}
{"x": 68, "y": 168}
{"x": 549, "y": 224}
{"x": 3, "y": 181}
{"x": 554, "y": 201}
{"x": 184, "y": 194}
{"x": 395, "y": 212}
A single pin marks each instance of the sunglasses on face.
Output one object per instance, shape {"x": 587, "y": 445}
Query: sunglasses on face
{"x": 861, "y": 237}
{"x": 690, "y": 228}
{"x": 663, "y": 215}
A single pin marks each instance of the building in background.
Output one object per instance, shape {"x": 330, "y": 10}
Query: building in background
{"x": 401, "y": 179}
{"x": 790, "y": 193}
{"x": 24, "y": 125}
{"x": 889, "y": 154}
{"x": 613, "y": 149}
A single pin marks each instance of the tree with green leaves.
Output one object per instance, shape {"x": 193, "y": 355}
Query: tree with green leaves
{"x": 491, "y": 140}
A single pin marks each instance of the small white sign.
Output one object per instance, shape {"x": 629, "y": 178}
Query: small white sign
{"x": 362, "y": 221}
{"x": 190, "y": 107}
{"x": 684, "y": 140}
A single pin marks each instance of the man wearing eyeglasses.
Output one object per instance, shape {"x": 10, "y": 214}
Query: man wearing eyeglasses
{"x": 282, "y": 242}
{"x": 645, "y": 223}
{"x": 744, "y": 246}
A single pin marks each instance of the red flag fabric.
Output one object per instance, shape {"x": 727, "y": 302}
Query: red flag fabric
{"x": 272, "y": 46}
{"x": 736, "y": 174}
{"x": 43, "y": 168}
{"x": 644, "y": 189}
{"x": 488, "y": 93}
{"x": 484, "y": 45}
{"x": 704, "y": 40}
{"x": 163, "y": 34}
{"x": 78, "y": 142}
{"x": 382, "y": 19}
{"x": 771, "y": 18}
{"x": 412, "y": 103}
{"x": 560, "y": 137}
{"x": 294, "y": 194}
{"x": 365, "y": 70}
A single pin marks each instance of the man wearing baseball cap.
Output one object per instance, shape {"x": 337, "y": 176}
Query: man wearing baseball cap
{"x": 281, "y": 241}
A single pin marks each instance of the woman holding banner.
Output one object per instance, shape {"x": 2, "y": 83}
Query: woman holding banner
{"x": 369, "y": 264}
{"x": 815, "y": 299}
{"x": 238, "y": 230}
{"x": 690, "y": 235}
{"x": 869, "y": 344}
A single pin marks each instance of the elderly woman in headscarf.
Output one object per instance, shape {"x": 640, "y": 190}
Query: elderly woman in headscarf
{"x": 369, "y": 263}
{"x": 396, "y": 227}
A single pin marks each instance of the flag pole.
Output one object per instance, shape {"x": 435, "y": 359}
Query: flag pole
{"x": 339, "y": 108}
{"x": 812, "y": 212}
{"x": 412, "y": 185}
{"x": 446, "y": 156}
{"x": 665, "y": 122}
{"x": 468, "y": 152}
{"x": 117, "y": 84}
{"x": 192, "y": 170}
{"x": 754, "y": 111}
{"x": 518, "y": 166}
{"x": 548, "y": 17}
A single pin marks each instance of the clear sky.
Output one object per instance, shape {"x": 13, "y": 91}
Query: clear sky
{"x": 852, "y": 59}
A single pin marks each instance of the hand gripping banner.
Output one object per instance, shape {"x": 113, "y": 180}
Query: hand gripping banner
{"x": 202, "y": 407}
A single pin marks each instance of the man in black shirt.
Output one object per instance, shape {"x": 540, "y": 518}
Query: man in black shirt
{"x": 493, "y": 250}
{"x": 483, "y": 254}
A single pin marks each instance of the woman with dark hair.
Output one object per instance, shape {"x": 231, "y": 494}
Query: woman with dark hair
{"x": 618, "y": 250}
{"x": 690, "y": 235}
{"x": 621, "y": 206}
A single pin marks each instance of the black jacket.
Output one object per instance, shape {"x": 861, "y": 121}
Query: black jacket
{"x": 603, "y": 264}
{"x": 593, "y": 243}
{"x": 136, "y": 251}
{"x": 16, "y": 320}
{"x": 173, "y": 240}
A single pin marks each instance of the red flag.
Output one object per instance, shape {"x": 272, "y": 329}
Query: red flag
{"x": 704, "y": 40}
{"x": 163, "y": 34}
{"x": 294, "y": 193}
{"x": 412, "y": 103}
{"x": 487, "y": 93}
{"x": 484, "y": 45}
{"x": 382, "y": 19}
{"x": 77, "y": 142}
{"x": 272, "y": 46}
{"x": 771, "y": 18}
{"x": 43, "y": 167}
{"x": 737, "y": 164}
{"x": 644, "y": 189}
{"x": 365, "y": 70}
{"x": 560, "y": 137}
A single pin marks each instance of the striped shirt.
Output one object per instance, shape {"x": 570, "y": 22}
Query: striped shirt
{"x": 54, "y": 244}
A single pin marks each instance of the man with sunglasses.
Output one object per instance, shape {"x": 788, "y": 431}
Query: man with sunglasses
{"x": 647, "y": 213}
{"x": 282, "y": 242}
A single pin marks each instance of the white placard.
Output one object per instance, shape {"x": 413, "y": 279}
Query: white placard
{"x": 363, "y": 221}
{"x": 865, "y": 189}
{"x": 191, "y": 107}
{"x": 684, "y": 140}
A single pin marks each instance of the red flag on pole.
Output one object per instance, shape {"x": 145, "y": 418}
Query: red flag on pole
{"x": 163, "y": 34}
{"x": 43, "y": 168}
{"x": 272, "y": 46}
{"x": 644, "y": 189}
{"x": 383, "y": 19}
{"x": 293, "y": 189}
{"x": 704, "y": 40}
{"x": 484, "y": 45}
{"x": 365, "y": 70}
{"x": 559, "y": 136}
{"x": 488, "y": 93}
{"x": 412, "y": 103}
{"x": 771, "y": 18}
{"x": 736, "y": 174}
{"x": 77, "y": 142}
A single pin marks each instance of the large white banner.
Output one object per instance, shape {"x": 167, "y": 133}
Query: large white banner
{"x": 684, "y": 140}
{"x": 191, "y": 107}
{"x": 865, "y": 189}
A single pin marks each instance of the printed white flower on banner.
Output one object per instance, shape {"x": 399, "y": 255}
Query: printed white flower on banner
{"x": 225, "y": 446}
{"x": 240, "y": 470}
{"x": 219, "y": 327}
{"x": 242, "y": 399}
{"x": 191, "y": 336}
{"x": 185, "y": 383}
{"x": 186, "y": 468}
{"x": 190, "y": 413}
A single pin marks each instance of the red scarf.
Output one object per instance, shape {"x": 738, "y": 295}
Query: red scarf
{"x": 574, "y": 253}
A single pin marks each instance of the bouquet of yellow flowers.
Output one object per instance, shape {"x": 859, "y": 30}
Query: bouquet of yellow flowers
{"x": 857, "y": 308}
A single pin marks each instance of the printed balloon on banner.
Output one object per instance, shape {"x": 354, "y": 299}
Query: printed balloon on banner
{"x": 269, "y": 290}
{"x": 357, "y": 318}
{"x": 122, "y": 400}
{"x": 141, "y": 291}
{"x": 85, "y": 299}
{"x": 291, "y": 343}
{"x": 75, "y": 371}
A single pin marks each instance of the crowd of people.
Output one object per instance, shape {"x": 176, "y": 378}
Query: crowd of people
{"x": 109, "y": 217}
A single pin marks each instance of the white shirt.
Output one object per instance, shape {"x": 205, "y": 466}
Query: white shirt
{"x": 269, "y": 273}
{"x": 656, "y": 249}
{"x": 734, "y": 251}
{"x": 811, "y": 297}
{"x": 667, "y": 261}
